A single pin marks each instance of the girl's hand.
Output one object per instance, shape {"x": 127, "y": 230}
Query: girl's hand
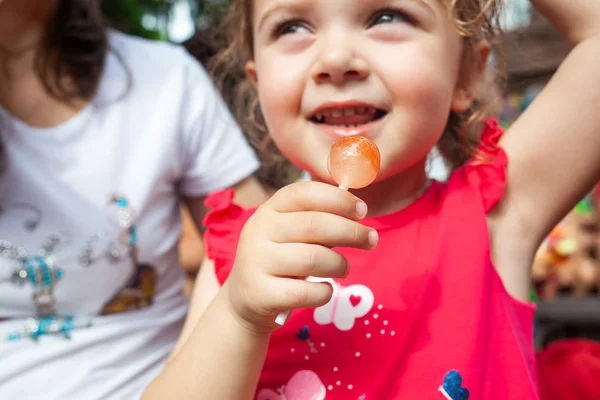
{"x": 288, "y": 239}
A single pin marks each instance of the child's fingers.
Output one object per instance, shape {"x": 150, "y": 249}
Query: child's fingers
{"x": 287, "y": 294}
{"x": 321, "y": 228}
{"x": 315, "y": 196}
{"x": 304, "y": 260}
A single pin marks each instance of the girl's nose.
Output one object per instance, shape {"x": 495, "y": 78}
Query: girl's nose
{"x": 338, "y": 63}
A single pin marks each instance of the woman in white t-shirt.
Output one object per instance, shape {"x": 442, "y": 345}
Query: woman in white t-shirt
{"x": 102, "y": 135}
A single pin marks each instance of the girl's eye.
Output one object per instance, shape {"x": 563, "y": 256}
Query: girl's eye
{"x": 290, "y": 27}
{"x": 390, "y": 17}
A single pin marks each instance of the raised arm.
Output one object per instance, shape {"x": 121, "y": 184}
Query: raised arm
{"x": 553, "y": 148}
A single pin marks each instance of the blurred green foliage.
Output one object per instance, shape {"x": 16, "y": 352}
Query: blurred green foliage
{"x": 211, "y": 11}
{"x": 150, "y": 18}
{"x": 146, "y": 18}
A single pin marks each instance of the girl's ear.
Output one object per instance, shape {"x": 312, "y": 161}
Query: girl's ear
{"x": 251, "y": 72}
{"x": 464, "y": 94}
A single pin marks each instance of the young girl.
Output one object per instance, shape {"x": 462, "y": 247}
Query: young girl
{"x": 103, "y": 135}
{"x": 438, "y": 309}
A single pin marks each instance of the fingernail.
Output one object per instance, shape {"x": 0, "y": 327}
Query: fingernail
{"x": 347, "y": 272}
{"x": 373, "y": 238}
{"x": 361, "y": 209}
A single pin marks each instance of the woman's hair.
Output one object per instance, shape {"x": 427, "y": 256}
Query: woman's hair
{"x": 75, "y": 47}
{"x": 475, "y": 20}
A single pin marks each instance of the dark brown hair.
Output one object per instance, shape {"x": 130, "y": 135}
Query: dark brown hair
{"x": 75, "y": 47}
{"x": 475, "y": 20}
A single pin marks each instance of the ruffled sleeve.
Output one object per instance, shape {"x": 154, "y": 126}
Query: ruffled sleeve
{"x": 487, "y": 170}
{"x": 224, "y": 223}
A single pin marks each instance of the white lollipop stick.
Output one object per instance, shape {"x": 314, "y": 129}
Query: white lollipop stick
{"x": 282, "y": 317}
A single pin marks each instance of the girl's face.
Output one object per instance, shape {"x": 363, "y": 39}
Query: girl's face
{"x": 384, "y": 69}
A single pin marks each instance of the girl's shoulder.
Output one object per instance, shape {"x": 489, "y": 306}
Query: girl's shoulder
{"x": 485, "y": 173}
{"x": 224, "y": 223}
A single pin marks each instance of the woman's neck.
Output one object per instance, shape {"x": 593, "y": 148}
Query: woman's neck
{"x": 23, "y": 25}
{"x": 22, "y": 29}
{"x": 395, "y": 193}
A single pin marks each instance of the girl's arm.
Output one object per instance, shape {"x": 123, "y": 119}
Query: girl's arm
{"x": 218, "y": 357}
{"x": 248, "y": 193}
{"x": 206, "y": 288}
{"x": 215, "y": 353}
{"x": 553, "y": 148}
{"x": 222, "y": 352}
{"x": 191, "y": 250}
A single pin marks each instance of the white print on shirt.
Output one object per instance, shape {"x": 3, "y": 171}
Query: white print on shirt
{"x": 304, "y": 385}
{"x": 346, "y": 306}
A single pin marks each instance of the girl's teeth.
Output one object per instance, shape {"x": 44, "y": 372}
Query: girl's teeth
{"x": 344, "y": 112}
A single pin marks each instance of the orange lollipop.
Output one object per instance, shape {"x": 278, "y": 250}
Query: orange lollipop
{"x": 354, "y": 162}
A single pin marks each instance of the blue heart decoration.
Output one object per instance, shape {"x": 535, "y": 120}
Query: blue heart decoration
{"x": 453, "y": 386}
{"x": 303, "y": 333}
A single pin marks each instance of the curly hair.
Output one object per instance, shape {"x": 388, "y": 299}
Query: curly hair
{"x": 475, "y": 20}
{"x": 75, "y": 46}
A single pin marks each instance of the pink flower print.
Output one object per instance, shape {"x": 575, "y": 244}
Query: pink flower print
{"x": 304, "y": 385}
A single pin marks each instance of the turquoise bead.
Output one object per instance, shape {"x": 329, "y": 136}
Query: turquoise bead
{"x": 133, "y": 236}
{"x": 122, "y": 202}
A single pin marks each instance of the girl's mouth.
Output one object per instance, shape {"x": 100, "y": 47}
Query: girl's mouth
{"x": 348, "y": 117}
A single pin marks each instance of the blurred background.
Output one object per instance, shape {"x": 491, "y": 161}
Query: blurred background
{"x": 567, "y": 267}
{"x": 173, "y": 20}
{"x": 177, "y": 20}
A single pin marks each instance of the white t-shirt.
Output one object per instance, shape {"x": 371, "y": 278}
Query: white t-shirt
{"x": 156, "y": 130}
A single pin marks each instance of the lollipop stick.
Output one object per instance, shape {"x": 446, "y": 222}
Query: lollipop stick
{"x": 283, "y": 316}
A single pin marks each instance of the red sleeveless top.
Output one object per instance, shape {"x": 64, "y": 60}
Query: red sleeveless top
{"x": 424, "y": 316}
